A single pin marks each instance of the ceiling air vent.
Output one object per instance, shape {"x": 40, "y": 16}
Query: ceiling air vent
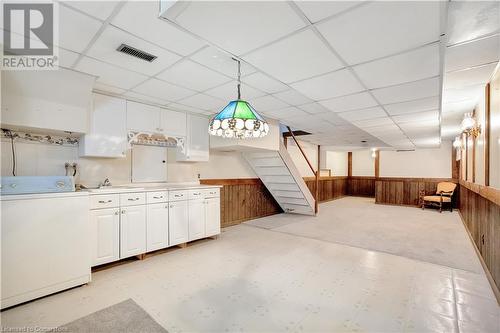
{"x": 124, "y": 48}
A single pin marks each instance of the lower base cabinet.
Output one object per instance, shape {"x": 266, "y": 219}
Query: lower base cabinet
{"x": 212, "y": 223}
{"x": 178, "y": 222}
{"x": 157, "y": 226}
{"x": 105, "y": 225}
{"x": 132, "y": 231}
{"x": 196, "y": 219}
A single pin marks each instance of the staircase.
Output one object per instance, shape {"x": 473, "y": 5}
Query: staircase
{"x": 279, "y": 174}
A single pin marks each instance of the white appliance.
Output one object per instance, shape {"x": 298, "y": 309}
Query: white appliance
{"x": 45, "y": 244}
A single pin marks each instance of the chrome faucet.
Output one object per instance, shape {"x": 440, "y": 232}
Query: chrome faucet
{"x": 105, "y": 183}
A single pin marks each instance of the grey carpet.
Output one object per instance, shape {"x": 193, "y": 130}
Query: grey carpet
{"x": 126, "y": 316}
{"x": 404, "y": 231}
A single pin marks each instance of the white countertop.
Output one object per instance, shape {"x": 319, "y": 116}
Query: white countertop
{"x": 43, "y": 195}
{"x": 149, "y": 188}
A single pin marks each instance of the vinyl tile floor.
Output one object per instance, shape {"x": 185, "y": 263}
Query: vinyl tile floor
{"x": 256, "y": 279}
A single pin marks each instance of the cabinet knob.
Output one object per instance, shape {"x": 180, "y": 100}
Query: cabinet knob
{"x": 117, "y": 212}
{"x": 132, "y": 199}
{"x": 102, "y": 201}
{"x": 123, "y": 211}
{"x": 160, "y": 197}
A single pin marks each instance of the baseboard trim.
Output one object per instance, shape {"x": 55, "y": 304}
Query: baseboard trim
{"x": 494, "y": 287}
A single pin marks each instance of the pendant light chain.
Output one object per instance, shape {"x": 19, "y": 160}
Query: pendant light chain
{"x": 239, "y": 79}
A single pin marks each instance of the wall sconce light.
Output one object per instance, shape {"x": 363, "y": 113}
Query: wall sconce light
{"x": 470, "y": 126}
{"x": 457, "y": 143}
{"x": 374, "y": 152}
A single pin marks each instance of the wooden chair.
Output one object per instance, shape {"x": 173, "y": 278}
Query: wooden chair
{"x": 444, "y": 195}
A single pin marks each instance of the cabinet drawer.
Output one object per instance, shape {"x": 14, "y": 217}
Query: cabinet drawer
{"x": 157, "y": 197}
{"x": 177, "y": 195}
{"x": 195, "y": 194}
{"x": 211, "y": 193}
{"x": 104, "y": 201}
{"x": 132, "y": 199}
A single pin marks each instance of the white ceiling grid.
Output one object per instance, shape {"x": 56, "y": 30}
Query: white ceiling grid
{"x": 345, "y": 71}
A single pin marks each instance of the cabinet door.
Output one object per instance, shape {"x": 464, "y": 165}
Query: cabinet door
{"x": 105, "y": 235}
{"x": 212, "y": 225}
{"x": 196, "y": 219}
{"x": 132, "y": 231}
{"x": 108, "y": 129}
{"x": 157, "y": 226}
{"x": 197, "y": 141}
{"x": 173, "y": 123}
{"x": 178, "y": 222}
{"x": 143, "y": 117}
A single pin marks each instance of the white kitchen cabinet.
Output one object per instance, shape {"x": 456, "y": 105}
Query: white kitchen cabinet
{"x": 197, "y": 141}
{"x": 173, "y": 123}
{"x": 132, "y": 231}
{"x": 212, "y": 222}
{"x": 108, "y": 128}
{"x": 196, "y": 218}
{"x": 143, "y": 117}
{"x": 178, "y": 222}
{"x": 157, "y": 226}
{"x": 105, "y": 226}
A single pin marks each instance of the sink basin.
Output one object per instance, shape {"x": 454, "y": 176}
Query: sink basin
{"x": 115, "y": 188}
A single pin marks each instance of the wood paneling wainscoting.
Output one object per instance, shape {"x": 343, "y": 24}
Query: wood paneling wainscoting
{"x": 330, "y": 188}
{"x": 405, "y": 191}
{"x": 361, "y": 186}
{"x": 480, "y": 212}
{"x": 243, "y": 199}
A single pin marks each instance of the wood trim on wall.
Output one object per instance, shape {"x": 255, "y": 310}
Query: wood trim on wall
{"x": 487, "y": 131}
{"x": 455, "y": 165}
{"x": 377, "y": 163}
{"x": 349, "y": 164}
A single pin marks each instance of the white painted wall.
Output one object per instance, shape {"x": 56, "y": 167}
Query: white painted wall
{"x": 480, "y": 148}
{"x": 363, "y": 164}
{"x": 35, "y": 159}
{"x": 421, "y": 163}
{"x": 298, "y": 159}
{"x": 336, "y": 161}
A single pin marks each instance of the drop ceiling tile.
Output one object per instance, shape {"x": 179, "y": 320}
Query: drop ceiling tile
{"x": 264, "y": 83}
{"x": 191, "y": 75}
{"x": 471, "y": 19}
{"x": 239, "y": 26}
{"x": 204, "y": 102}
{"x": 417, "y": 117}
{"x": 382, "y": 28}
{"x": 229, "y": 91}
{"x": 292, "y": 97}
{"x": 330, "y": 85}
{"x": 76, "y": 30}
{"x": 109, "y": 74}
{"x": 105, "y": 47}
{"x": 424, "y": 104}
{"x": 406, "y": 67}
{"x": 106, "y": 88}
{"x": 141, "y": 19}
{"x": 163, "y": 90}
{"x": 267, "y": 103}
{"x": 416, "y": 126}
{"x": 182, "y": 107}
{"x": 287, "y": 113}
{"x": 369, "y": 113}
{"x": 428, "y": 142}
{"x": 67, "y": 58}
{"x": 144, "y": 98}
{"x": 469, "y": 77}
{"x": 300, "y": 56}
{"x": 350, "y": 102}
{"x": 373, "y": 122}
{"x": 318, "y": 10}
{"x": 333, "y": 118}
{"x": 97, "y": 9}
{"x": 313, "y": 108}
{"x": 408, "y": 91}
{"x": 221, "y": 62}
{"x": 472, "y": 54}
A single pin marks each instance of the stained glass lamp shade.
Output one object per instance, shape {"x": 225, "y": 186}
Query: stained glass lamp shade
{"x": 238, "y": 120}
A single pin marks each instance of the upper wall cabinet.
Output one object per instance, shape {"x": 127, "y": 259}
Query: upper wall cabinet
{"x": 173, "y": 123}
{"x": 196, "y": 145}
{"x": 108, "y": 132}
{"x": 48, "y": 100}
{"x": 143, "y": 117}
{"x": 152, "y": 119}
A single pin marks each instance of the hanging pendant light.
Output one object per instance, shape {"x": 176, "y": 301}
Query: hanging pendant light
{"x": 238, "y": 119}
